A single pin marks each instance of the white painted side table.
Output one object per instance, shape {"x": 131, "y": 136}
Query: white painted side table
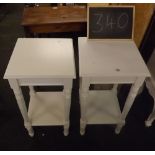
{"x": 40, "y": 62}
{"x": 150, "y": 84}
{"x": 108, "y": 62}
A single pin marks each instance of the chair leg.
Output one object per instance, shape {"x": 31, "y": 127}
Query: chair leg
{"x": 151, "y": 90}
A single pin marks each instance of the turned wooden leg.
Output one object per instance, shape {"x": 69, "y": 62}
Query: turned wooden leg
{"x": 129, "y": 101}
{"x": 119, "y": 127}
{"x": 141, "y": 89}
{"x": 83, "y": 99}
{"x": 114, "y": 89}
{"x": 22, "y": 106}
{"x": 32, "y": 91}
{"x": 83, "y": 96}
{"x": 151, "y": 90}
{"x": 67, "y": 110}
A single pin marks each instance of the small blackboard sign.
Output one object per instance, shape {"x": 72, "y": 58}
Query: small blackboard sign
{"x": 112, "y": 22}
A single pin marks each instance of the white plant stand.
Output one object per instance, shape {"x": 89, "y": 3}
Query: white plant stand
{"x": 108, "y": 62}
{"x": 150, "y": 84}
{"x": 43, "y": 62}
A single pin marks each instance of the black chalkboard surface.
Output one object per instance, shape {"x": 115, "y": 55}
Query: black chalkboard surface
{"x": 110, "y": 22}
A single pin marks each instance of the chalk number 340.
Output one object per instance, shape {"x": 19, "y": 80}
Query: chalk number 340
{"x": 121, "y": 22}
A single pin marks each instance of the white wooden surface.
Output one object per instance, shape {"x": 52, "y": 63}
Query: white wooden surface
{"x": 47, "y": 108}
{"x": 37, "y": 62}
{"x": 42, "y": 58}
{"x": 108, "y": 62}
{"x": 151, "y": 89}
{"x": 102, "y": 108}
{"x": 110, "y": 58}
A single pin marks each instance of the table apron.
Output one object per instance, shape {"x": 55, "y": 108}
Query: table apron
{"x": 108, "y": 80}
{"x": 44, "y": 81}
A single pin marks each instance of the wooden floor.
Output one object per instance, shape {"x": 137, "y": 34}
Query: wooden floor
{"x": 13, "y": 135}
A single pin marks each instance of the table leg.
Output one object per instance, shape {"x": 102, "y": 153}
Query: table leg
{"x": 151, "y": 90}
{"x": 67, "y": 105}
{"x": 114, "y": 89}
{"x": 22, "y": 106}
{"x": 83, "y": 97}
{"x": 32, "y": 91}
{"x": 129, "y": 101}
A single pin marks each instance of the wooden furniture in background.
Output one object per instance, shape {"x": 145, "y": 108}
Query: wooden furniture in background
{"x": 55, "y": 19}
{"x": 108, "y": 62}
{"x": 43, "y": 62}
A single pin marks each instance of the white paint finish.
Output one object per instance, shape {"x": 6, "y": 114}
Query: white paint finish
{"x": 32, "y": 91}
{"x": 116, "y": 80}
{"x": 150, "y": 84}
{"x": 131, "y": 96}
{"x": 104, "y": 58}
{"x": 84, "y": 88}
{"x": 67, "y": 105}
{"x": 44, "y": 81}
{"x": 151, "y": 66}
{"x": 21, "y": 104}
{"x": 47, "y": 108}
{"x": 37, "y": 62}
{"x": 151, "y": 90}
{"x": 108, "y": 62}
{"x": 42, "y": 58}
{"x": 104, "y": 116}
{"x": 102, "y": 107}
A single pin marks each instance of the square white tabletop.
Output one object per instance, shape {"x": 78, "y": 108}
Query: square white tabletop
{"x": 42, "y": 58}
{"x": 110, "y": 58}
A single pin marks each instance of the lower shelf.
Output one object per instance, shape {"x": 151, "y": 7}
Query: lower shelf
{"x": 47, "y": 108}
{"x": 102, "y": 108}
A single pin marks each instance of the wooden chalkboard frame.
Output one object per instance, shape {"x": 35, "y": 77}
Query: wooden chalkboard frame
{"x": 111, "y": 6}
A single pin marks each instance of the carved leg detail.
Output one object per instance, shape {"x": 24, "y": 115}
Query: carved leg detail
{"x": 67, "y": 111}
{"x": 151, "y": 90}
{"x": 83, "y": 122}
{"x": 129, "y": 101}
{"x": 29, "y": 129}
{"x": 66, "y": 128}
{"x": 119, "y": 127}
{"x": 22, "y": 106}
{"x": 141, "y": 89}
{"x": 32, "y": 91}
{"x": 82, "y": 127}
{"x": 115, "y": 89}
{"x": 150, "y": 119}
{"x": 23, "y": 110}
